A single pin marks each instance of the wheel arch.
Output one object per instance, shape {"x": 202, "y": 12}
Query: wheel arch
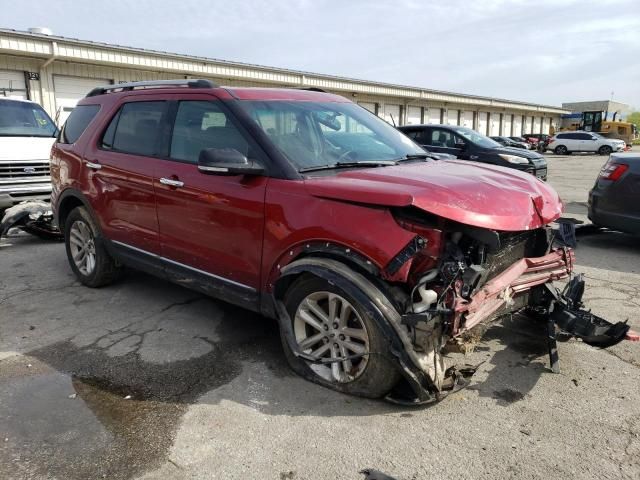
{"x": 68, "y": 200}
{"x": 377, "y": 302}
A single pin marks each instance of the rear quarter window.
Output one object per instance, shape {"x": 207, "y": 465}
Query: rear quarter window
{"x": 78, "y": 122}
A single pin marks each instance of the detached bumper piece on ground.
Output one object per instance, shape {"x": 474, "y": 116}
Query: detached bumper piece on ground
{"x": 34, "y": 217}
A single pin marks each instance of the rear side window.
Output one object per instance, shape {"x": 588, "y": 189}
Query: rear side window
{"x": 135, "y": 128}
{"x": 78, "y": 122}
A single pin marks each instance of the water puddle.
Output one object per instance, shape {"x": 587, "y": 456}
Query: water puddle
{"x": 81, "y": 412}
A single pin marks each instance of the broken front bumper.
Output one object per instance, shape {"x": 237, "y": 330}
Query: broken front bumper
{"x": 519, "y": 278}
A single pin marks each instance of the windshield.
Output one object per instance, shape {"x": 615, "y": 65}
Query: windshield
{"x": 477, "y": 138}
{"x": 24, "y": 119}
{"x": 312, "y": 134}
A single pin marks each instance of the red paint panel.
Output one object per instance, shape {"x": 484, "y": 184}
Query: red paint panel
{"x": 213, "y": 223}
{"x": 294, "y": 217}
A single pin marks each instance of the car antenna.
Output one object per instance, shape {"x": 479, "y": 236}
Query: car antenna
{"x": 392, "y": 120}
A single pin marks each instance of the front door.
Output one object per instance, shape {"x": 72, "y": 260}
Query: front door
{"x": 211, "y": 226}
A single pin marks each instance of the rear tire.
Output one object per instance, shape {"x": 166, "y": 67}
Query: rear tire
{"x": 313, "y": 320}
{"x": 560, "y": 150}
{"x": 88, "y": 258}
{"x": 605, "y": 150}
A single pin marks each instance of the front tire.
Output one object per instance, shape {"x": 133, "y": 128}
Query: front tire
{"x": 89, "y": 260}
{"x": 605, "y": 150}
{"x": 561, "y": 150}
{"x": 328, "y": 323}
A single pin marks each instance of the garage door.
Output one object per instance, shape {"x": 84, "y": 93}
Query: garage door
{"x": 452, "y": 117}
{"x": 12, "y": 84}
{"x": 546, "y": 123}
{"x": 434, "y": 115}
{"x": 68, "y": 90}
{"x": 537, "y": 125}
{"x": 391, "y": 114}
{"x": 482, "y": 122}
{"x": 506, "y": 125}
{"x": 369, "y": 106}
{"x": 494, "y": 128}
{"x": 517, "y": 125}
{"x": 414, "y": 115}
{"x": 467, "y": 119}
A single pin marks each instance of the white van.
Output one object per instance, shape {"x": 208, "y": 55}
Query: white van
{"x": 26, "y": 136}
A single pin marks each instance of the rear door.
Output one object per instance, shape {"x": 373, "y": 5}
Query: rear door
{"x": 211, "y": 226}
{"x": 119, "y": 167}
{"x": 588, "y": 143}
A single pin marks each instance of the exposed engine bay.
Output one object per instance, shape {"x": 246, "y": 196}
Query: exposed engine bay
{"x": 484, "y": 274}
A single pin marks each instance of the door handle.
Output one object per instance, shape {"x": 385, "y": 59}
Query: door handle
{"x": 171, "y": 183}
{"x": 93, "y": 166}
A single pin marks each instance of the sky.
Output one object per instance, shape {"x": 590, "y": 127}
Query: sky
{"x": 543, "y": 51}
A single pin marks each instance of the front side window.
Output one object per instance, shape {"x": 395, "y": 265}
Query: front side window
{"x": 77, "y": 122}
{"x": 442, "y": 138}
{"x": 316, "y": 134}
{"x": 25, "y": 119}
{"x": 135, "y": 129}
{"x": 201, "y": 125}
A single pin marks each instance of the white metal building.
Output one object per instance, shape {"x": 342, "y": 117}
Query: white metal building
{"x": 58, "y": 71}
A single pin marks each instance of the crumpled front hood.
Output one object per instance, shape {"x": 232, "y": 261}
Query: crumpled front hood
{"x": 485, "y": 196}
{"x": 25, "y": 148}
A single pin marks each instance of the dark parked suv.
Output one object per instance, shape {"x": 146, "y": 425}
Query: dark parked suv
{"x": 309, "y": 209}
{"x": 467, "y": 144}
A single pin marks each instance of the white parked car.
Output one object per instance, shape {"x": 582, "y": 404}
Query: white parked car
{"x": 26, "y": 136}
{"x": 567, "y": 142}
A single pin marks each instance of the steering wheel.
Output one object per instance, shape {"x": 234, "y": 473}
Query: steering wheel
{"x": 345, "y": 155}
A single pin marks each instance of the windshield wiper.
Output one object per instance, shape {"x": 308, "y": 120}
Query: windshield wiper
{"x": 416, "y": 156}
{"x": 362, "y": 163}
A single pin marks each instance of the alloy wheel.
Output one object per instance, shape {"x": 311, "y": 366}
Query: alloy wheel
{"x": 327, "y": 326}
{"x": 83, "y": 248}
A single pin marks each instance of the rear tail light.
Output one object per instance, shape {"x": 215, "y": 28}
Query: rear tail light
{"x": 613, "y": 171}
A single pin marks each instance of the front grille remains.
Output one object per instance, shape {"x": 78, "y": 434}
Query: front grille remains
{"x": 513, "y": 247}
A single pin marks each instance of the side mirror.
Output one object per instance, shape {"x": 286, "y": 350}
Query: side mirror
{"x": 227, "y": 161}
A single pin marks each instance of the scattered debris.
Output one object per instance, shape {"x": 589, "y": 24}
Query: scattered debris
{"x": 31, "y": 327}
{"x": 34, "y": 217}
{"x": 73, "y": 395}
{"x": 575, "y": 382}
{"x": 371, "y": 474}
{"x": 525, "y": 431}
{"x": 128, "y": 397}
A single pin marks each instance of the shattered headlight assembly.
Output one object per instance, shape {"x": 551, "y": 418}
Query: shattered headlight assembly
{"x": 514, "y": 159}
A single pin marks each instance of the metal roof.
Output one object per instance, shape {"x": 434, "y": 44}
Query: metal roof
{"x": 247, "y": 71}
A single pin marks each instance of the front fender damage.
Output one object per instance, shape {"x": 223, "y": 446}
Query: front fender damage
{"x": 425, "y": 372}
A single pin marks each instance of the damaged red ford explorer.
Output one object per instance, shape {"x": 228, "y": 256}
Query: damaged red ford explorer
{"x": 307, "y": 208}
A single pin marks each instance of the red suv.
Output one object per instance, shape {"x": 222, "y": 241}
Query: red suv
{"x": 305, "y": 207}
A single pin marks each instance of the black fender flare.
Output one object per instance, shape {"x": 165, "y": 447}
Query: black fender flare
{"x": 78, "y": 195}
{"x": 378, "y": 306}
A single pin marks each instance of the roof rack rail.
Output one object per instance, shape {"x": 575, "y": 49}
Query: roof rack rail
{"x": 313, "y": 89}
{"x": 123, "y": 87}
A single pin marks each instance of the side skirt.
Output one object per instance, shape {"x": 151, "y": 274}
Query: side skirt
{"x": 207, "y": 283}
